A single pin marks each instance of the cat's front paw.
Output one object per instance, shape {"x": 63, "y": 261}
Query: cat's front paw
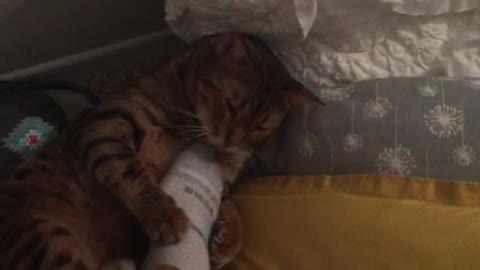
{"x": 160, "y": 217}
{"x": 226, "y": 238}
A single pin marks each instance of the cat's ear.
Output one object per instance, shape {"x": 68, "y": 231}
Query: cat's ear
{"x": 296, "y": 95}
{"x": 231, "y": 46}
{"x": 179, "y": 66}
{"x": 223, "y": 44}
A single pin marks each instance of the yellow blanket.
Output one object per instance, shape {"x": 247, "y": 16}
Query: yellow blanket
{"x": 359, "y": 222}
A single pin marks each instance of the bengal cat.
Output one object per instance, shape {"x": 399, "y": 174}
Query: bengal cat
{"x": 93, "y": 195}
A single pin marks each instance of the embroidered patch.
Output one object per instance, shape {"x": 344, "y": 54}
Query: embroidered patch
{"x": 28, "y": 136}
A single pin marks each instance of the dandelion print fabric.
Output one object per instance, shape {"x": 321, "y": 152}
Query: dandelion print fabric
{"x": 426, "y": 127}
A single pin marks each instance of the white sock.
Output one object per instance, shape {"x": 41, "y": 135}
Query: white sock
{"x": 196, "y": 185}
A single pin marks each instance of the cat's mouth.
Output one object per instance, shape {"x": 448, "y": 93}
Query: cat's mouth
{"x": 215, "y": 140}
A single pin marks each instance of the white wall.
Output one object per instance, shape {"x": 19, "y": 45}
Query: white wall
{"x": 40, "y": 31}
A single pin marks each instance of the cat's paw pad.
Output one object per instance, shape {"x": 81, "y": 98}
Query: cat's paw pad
{"x": 162, "y": 220}
{"x": 119, "y": 265}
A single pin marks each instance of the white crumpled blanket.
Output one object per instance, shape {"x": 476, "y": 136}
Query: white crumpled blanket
{"x": 330, "y": 43}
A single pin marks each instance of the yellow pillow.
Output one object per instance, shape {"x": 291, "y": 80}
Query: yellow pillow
{"x": 359, "y": 222}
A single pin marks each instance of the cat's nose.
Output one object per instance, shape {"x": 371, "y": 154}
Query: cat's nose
{"x": 217, "y": 140}
{"x": 235, "y": 136}
{"x": 229, "y": 135}
{"x": 216, "y": 136}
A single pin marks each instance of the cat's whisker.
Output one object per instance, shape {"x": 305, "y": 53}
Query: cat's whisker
{"x": 199, "y": 135}
{"x": 187, "y": 126}
{"x": 266, "y": 104}
{"x": 179, "y": 110}
{"x": 187, "y": 113}
{"x": 194, "y": 131}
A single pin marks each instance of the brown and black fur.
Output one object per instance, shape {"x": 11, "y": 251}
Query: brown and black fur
{"x": 94, "y": 195}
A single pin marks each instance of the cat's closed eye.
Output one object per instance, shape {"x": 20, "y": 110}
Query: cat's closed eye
{"x": 232, "y": 110}
{"x": 261, "y": 128}
{"x": 210, "y": 84}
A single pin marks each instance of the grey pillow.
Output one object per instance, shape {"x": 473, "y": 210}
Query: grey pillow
{"x": 427, "y": 127}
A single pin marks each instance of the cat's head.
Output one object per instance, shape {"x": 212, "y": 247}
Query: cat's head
{"x": 240, "y": 90}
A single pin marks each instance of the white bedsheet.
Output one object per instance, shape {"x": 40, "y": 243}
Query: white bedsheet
{"x": 330, "y": 43}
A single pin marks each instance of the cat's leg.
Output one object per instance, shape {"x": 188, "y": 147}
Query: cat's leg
{"x": 123, "y": 147}
{"x": 226, "y": 238}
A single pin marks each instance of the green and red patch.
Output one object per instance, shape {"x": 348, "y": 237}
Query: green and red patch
{"x": 28, "y": 136}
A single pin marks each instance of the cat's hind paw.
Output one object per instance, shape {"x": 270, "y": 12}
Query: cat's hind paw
{"x": 162, "y": 220}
